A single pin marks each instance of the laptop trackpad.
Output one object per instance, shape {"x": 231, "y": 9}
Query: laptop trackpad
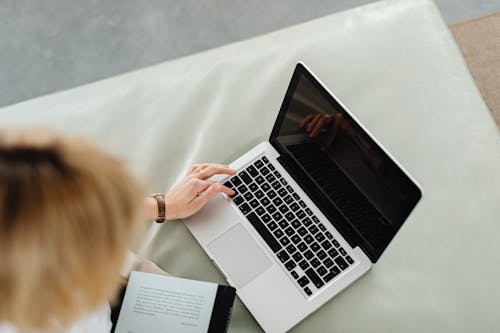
{"x": 239, "y": 256}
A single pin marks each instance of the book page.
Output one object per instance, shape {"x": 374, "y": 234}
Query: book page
{"x": 163, "y": 304}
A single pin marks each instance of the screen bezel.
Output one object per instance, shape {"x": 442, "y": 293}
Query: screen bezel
{"x": 329, "y": 210}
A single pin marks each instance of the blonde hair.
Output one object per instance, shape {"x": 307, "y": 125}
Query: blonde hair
{"x": 68, "y": 212}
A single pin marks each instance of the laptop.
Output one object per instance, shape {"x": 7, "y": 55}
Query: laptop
{"x": 315, "y": 207}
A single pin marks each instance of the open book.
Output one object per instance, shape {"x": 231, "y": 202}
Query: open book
{"x": 159, "y": 304}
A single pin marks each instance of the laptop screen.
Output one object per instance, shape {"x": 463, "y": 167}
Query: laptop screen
{"x": 355, "y": 183}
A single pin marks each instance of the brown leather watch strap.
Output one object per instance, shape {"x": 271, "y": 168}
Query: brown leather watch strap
{"x": 160, "y": 201}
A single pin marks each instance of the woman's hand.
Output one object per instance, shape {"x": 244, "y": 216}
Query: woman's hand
{"x": 194, "y": 191}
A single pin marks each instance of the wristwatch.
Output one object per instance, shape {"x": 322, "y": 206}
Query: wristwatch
{"x": 160, "y": 201}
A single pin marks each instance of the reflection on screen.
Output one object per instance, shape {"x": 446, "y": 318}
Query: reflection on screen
{"x": 352, "y": 172}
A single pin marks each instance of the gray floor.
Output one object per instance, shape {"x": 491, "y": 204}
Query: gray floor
{"x": 51, "y": 45}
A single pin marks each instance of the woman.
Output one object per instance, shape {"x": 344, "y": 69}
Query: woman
{"x": 68, "y": 214}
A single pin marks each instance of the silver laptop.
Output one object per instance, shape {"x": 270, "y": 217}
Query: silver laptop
{"x": 316, "y": 205}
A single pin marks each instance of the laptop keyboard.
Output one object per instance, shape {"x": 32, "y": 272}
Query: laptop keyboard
{"x": 308, "y": 252}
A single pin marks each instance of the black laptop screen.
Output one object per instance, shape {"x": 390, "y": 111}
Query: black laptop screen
{"x": 350, "y": 174}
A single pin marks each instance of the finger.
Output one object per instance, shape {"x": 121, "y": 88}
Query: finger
{"x": 194, "y": 168}
{"x": 318, "y": 127}
{"x": 313, "y": 123}
{"x": 305, "y": 120}
{"x": 204, "y": 197}
{"x": 214, "y": 169}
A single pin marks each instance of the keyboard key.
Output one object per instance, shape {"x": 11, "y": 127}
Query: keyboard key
{"x": 315, "y": 219}
{"x": 271, "y": 209}
{"x": 291, "y": 248}
{"x": 335, "y": 243}
{"x": 289, "y": 216}
{"x": 265, "y": 160}
{"x": 326, "y": 244}
{"x": 271, "y": 167}
{"x": 284, "y": 208}
{"x": 341, "y": 263}
{"x": 313, "y": 229}
{"x": 302, "y": 204}
{"x": 321, "y": 255}
{"x": 265, "y": 201}
{"x": 283, "y": 256}
{"x": 328, "y": 262}
{"x": 311, "y": 274}
{"x": 283, "y": 182}
{"x": 271, "y": 194}
{"x": 333, "y": 273}
{"x": 349, "y": 259}
{"x": 303, "y": 281}
{"x": 278, "y": 233}
{"x": 253, "y": 187}
{"x": 303, "y": 264}
{"x": 266, "y": 218}
{"x": 270, "y": 178}
{"x": 259, "y": 194}
{"x": 238, "y": 200}
{"x": 308, "y": 291}
{"x": 264, "y": 171}
{"x": 302, "y": 246}
{"x": 242, "y": 189}
{"x": 329, "y": 235}
{"x": 277, "y": 216}
{"x": 308, "y": 254}
{"x": 295, "y": 239}
{"x": 228, "y": 184}
{"x": 272, "y": 226}
{"x": 290, "y": 265}
{"x": 288, "y": 199}
{"x": 263, "y": 232}
{"x": 259, "y": 164}
{"x": 294, "y": 275}
{"x": 309, "y": 211}
{"x": 300, "y": 214}
{"x": 333, "y": 253}
{"x": 315, "y": 247}
{"x": 315, "y": 262}
{"x": 283, "y": 224}
{"x": 295, "y": 223}
{"x": 236, "y": 181}
{"x": 245, "y": 209}
{"x": 254, "y": 203}
{"x": 259, "y": 180}
{"x": 308, "y": 239}
{"x": 265, "y": 187}
{"x": 289, "y": 231}
{"x": 277, "y": 174}
{"x": 322, "y": 227}
{"x": 277, "y": 201}
{"x": 282, "y": 192}
{"x": 321, "y": 270}
{"x": 294, "y": 207}
{"x": 245, "y": 177}
{"x": 319, "y": 236}
{"x": 296, "y": 196}
{"x": 302, "y": 231}
{"x": 252, "y": 171}
{"x": 285, "y": 241}
{"x": 297, "y": 256}
{"x": 307, "y": 222}
{"x": 248, "y": 196}
{"x": 260, "y": 211}
{"x": 342, "y": 251}
{"x": 289, "y": 188}
{"x": 276, "y": 185}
